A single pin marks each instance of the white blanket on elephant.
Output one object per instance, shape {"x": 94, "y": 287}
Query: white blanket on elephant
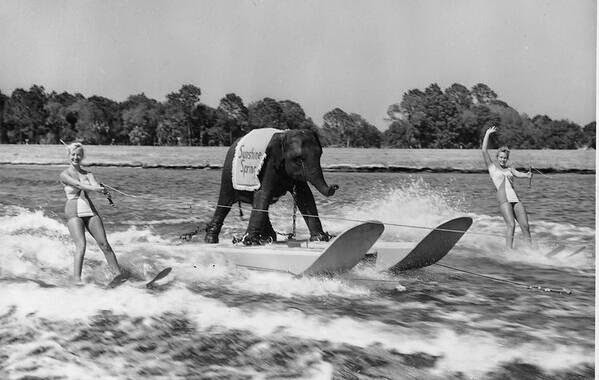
{"x": 250, "y": 153}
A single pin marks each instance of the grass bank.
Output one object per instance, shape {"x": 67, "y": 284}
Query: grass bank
{"x": 333, "y": 159}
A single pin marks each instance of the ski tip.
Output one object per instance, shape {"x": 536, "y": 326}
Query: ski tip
{"x": 162, "y": 274}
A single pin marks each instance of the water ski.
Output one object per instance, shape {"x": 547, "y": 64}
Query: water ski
{"x": 162, "y": 274}
{"x": 395, "y": 258}
{"x": 339, "y": 255}
{"x": 122, "y": 278}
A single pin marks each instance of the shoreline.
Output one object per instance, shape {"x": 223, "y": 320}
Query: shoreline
{"x": 330, "y": 169}
{"x": 332, "y": 160}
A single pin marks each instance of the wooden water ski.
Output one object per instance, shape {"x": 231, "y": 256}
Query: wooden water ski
{"x": 122, "y": 278}
{"x": 339, "y": 255}
{"x": 428, "y": 251}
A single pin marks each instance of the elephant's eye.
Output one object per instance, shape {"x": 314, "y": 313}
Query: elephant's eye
{"x": 298, "y": 160}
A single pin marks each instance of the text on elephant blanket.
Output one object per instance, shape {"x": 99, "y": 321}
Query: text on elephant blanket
{"x": 250, "y": 154}
{"x": 248, "y": 160}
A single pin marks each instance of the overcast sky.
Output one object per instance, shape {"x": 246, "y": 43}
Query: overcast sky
{"x": 361, "y": 56}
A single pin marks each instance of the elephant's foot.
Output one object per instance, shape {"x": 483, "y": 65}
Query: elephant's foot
{"x": 212, "y": 232}
{"x": 322, "y": 236}
{"x": 254, "y": 239}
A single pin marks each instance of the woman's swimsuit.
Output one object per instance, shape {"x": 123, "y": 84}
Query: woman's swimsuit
{"x": 502, "y": 179}
{"x": 78, "y": 204}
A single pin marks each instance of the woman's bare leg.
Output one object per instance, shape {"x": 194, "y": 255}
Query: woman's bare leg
{"x": 77, "y": 231}
{"x": 522, "y": 218}
{"x": 96, "y": 229}
{"x": 510, "y": 223}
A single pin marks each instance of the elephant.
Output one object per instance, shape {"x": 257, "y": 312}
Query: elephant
{"x": 292, "y": 160}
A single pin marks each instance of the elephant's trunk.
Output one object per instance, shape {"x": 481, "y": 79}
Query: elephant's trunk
{"x": 317, "y": 179}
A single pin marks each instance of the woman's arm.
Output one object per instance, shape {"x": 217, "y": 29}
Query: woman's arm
{"x": 518, "y": 174}
{"x": 486, "y": 155}
{"x": 66, "y": 178}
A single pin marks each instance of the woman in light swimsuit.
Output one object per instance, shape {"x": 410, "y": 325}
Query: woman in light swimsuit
{"x": 81, "y": 213}
{"x": 510, "y": 206}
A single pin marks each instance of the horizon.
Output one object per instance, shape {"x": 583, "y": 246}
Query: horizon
{"x": 316, "y": 54}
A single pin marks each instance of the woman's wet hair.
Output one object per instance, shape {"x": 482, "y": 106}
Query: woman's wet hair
{"x": 504, "y": 149}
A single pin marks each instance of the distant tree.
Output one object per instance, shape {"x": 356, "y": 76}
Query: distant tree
{"x": 106, "y": 120}
{"x": 266, "y": 113}
{"x": 232, "y": 118}
{"x": 350, "y": 130}
{"x": 483, "y": 93}
{"x": 515, "y": 130}
{"x": 204, "y": 119}
{"x": 460, "y": 96}
{"x": 589, "y": 135}
{"x": 294, "y": 116}
{"x": 56, "y": 108}
{"x": 474, "y": 122}
{"x": 366, "y": 135}
{"x": 140, "y": 116}
{"x": 180, "y": 107}
{"x": 401, "y": 134}
{"x": 25, "y": 115}
{"x": 169, "y": 132}
{"x": 3, "y": 101}
{"x": 563, "y": 134}
{"x": 339, "y": 126}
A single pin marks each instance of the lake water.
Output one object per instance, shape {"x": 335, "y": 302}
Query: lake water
{"x": 209, "y": 319}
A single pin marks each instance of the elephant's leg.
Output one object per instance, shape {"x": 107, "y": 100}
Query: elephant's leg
{"x": 268, "y": 230}
{"x": 259, "y": 221}
{"x": 226, "y": 199}
{"x": 307, "y": 206}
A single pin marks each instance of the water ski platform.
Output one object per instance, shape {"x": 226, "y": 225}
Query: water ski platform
{"x": 337, "y": 256}
{"x": 347, "y": 250}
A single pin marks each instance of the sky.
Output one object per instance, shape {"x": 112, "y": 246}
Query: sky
{"x": 539, "y": 56}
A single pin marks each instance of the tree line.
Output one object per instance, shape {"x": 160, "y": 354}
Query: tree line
{"x": 431, "y": 118}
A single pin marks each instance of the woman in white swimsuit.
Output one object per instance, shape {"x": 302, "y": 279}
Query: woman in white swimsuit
{"x": 510, "y": 206}
{"x": 81, "y": 213}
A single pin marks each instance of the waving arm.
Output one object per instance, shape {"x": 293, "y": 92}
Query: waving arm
{"x": 486, "y": 155}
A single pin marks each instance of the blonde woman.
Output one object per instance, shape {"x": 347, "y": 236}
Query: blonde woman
{"x": 502, "y": 176}
{"x": 81, "y": 214}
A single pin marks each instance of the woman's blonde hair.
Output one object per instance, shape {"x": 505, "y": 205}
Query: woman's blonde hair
{"x": 504, "y": 149}
{"x": 76, "y": 145}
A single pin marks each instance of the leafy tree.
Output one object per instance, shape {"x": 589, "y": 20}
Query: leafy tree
{"x": 232, "y": 118}
{"x": 294, "y": 116}
{"x": 483, "y": 94}
{"x": 3, "y": 101}
{"x": 266, "y": 113}
{"x": 140, "y": 117}
{"x": 205, "y": 118}
{"x": 460, "y": 96}
{"x": 339, "y": 126}
{"x": 56, "y": 108}
{"x": 401, "y": 134}
{"x": 589, "y": 135}
{"x": 515, "y": 131}
{"x": 351, "y": 130}
{"x": 25, "y": 115}
{"x": 107, "y": 121}
{"x": 365, "y": 134}
{"x": 180, "y": 107}
{"x": 168, "y": 132}
{"x": 562, "y": 134}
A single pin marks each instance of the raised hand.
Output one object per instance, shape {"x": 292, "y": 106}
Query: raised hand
{"x": 492, "y": 129}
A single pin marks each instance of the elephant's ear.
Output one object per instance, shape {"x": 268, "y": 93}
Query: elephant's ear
{"x": 275, "y": 150}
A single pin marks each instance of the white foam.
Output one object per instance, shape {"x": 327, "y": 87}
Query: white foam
{"x": 471, "y": 353}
